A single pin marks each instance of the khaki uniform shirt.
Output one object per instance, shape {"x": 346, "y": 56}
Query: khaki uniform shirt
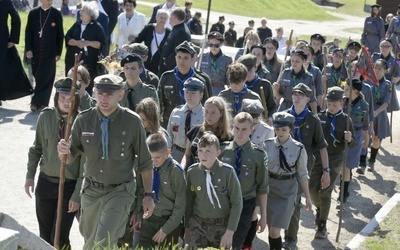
{"x": 44, "y": 152}
{"x": 229, "y": 97}
{"x": 253, "y": 170}
{"x": 87, "y": 102}
{"x": 138, "y": 93}
{"x": 172, "y": 195}
{"x": 261, "y": 133}
{"x": 227, "y": 187}
{"x": 296, "y": 157}
{"x": 126, "y": 138}
{"x": 176, "y": 124}
{"x": 218, "y": 74}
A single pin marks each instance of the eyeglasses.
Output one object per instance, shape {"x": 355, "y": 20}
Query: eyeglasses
{"x": 385, "y": 46}
{"x": 215, "y": 45}
{"x": 378, "y": 67}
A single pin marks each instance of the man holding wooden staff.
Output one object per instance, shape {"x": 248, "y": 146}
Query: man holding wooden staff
{"x": 50, "y": 129}
{"x": 111, "y": 138}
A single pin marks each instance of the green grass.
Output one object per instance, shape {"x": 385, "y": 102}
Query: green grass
{"x": 387, "y": 236}
{"x": 276, "y": 10}
{"x": 352, "y": 7}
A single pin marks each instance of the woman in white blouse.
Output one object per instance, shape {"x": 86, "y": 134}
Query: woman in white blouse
{"x": 130, "y": 23}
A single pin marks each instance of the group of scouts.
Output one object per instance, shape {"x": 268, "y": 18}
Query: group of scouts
{"x": 212, "y": 151}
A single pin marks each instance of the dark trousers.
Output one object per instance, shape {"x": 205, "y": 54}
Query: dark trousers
{"x": 244, "y": 223}
{"x": 46, "y": 211}
{"x": 44, "y": 71}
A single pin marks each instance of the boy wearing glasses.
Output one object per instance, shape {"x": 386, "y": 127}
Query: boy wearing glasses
{"x": 215, "y": 63}
{"x": 336, "y": 73}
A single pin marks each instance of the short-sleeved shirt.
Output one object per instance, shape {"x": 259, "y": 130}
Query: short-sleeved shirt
{"x": 261, "y": 133}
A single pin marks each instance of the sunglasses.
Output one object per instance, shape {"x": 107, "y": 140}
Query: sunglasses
{"x": 215, "y": 45}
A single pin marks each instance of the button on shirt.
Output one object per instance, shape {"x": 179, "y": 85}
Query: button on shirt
{"x": 176, "y": 125}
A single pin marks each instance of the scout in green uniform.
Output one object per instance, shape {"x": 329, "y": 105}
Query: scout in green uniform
{"x": 145, "y": 75}
{"x": 333, "y": 122}
{"x": 214, "y": 199}
{"x": 50, "y": 129}
{"x": 254, "y": 83}
{"x": 308, "y": 131}
{"x": 237, "y": 74}
{"x": 112, "y": 138}
{"x": 169, "y": 186}
{"x": 272, "y": 62}
{"x": 83, "y": 78}
{"x": 250, "y": 164}
{"x": 135, "y": 89}
{"x": 259, "y": 51}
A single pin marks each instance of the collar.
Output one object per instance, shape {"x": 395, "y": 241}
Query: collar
{"x": 44, "y": 8}
{"x": 196, "y": 110}
{"x": 214, "y": 167}
{"x": 245, "y": 146}
{"x": 299, "y": 74}
{"x": 166, "y": 8}
{"x": 138, "y": 85}
{"x": 215, "y": 57}
{"x": 166, "y": 163}
{"x": 112, "y": 116}
{"x": 286, "y": 144}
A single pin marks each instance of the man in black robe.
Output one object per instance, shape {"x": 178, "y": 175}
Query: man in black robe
{"x": 111, "y": 7}
{"x": 44, "y": 37}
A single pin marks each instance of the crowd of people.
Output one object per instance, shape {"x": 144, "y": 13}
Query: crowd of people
{"x": 205, "y": 149}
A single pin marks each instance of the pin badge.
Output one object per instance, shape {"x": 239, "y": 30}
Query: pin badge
{"x": 123, "y": 132}
{"x": 198, "y": 188}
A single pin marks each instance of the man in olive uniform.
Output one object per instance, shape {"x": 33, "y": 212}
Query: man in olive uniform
{"x": 237, "y": 74}
{"x": 50, "y": 129}
{"x": 317, "y": 41}
{"x": 333, "y": 122}
{"x": 146, "y": 76}
{"x": 219, "y": 26}
{"x": 230, "y": 35}
{"x": 215, "y": 62}
{"x": 308, "y": 131}
{"x": 214, "y": 200}
{"x": 134, "y": 89}
{"x": 170, "y": 90}
{"x": 169, "y": 186}
{"x": 112, "y": 138}
{"x": 250, "y": 164}
{"x": 254, "y": 83}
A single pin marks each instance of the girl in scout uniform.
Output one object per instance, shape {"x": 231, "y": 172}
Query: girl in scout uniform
{"x": 382, "y": 97}
{"x": 185, "y": 117}
{"x": 259, "y": 51}
{"x": 359, "y": 115}
{"x": 287, "y": 164}
{"x": 336, "y": 73}
{"x": 217, "y": 120}
{"x": 292, "y": 76}
{"x": 271, "y": 62}
{"x": 315, "y": 71}
{"x": 249, "y": 40}
{"x": 374, "y": 29}
{"x": 393, "y": 31}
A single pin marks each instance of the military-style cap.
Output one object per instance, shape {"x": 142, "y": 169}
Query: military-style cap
{"x": 282, "y": 119}
{"x": 376, "y": 6}
{"x": 335, "y": 94}
{"x": 193, "y": 84}
{"x": 260, "y": 46}
{"x": 195, "y": 47}
{"x": 357, "y": 84}
{"x": 130, "y": 58}
{"x": 253, "y": 107}
{"x": 216, "y": 35}
{"x": 138, "y": 48}
{"x": 185, "y": 46}
{"x": 247, "y": 60}
{"x": 354, "y": 45}
{"x": 222, "y": 17}
{"x": 231, "y": 22}
{"x": 108, "y": 83}
{"x": 301, "y": 87}
{"x": 273, "y": 41}
{"x": 337, "y": 50}
{"x": 318, "y": 37}
{"x": 64, "y": 85}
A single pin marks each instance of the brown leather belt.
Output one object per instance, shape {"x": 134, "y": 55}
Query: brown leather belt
{"x": 53, "y": 179}
{"x": 100, "y": 185}
{"x": 281, "y": 176}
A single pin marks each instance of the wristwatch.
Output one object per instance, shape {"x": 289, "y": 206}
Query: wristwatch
{"x": 151, "y": 194}
{"x": 328, "y": 170}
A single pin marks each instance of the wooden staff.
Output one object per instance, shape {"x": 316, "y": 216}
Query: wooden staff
{"x": 324, "y": 82}
{"x": 264, "y": 103}
{"x": 289, "y": 41}
{"x": 350, "y": 79}
{"x": 205, "y": 36}
{"x": 64, "y": 157}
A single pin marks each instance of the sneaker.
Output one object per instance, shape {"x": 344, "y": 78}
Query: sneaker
{"x": 290, "y": 243}
{"x": 360, "y": 170}
{"x": 321, "y": 233}
{"x": 371, "y": 166}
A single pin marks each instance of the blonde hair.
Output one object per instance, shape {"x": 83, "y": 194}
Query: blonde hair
{"x": 223, "y": 129}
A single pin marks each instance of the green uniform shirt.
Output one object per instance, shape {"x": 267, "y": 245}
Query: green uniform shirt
{"x": 126, "y": 138}
{"x": 172, "y": 195}
{"x": 149, "y": 78}
{"x": 227, "y": 187}
{"x": 87, "y": 102}
{"x": 134, "y": 95}
{"x": 253, "y": 170}
{"x": 229, "y": 97}
{"x": 44, "y": 152}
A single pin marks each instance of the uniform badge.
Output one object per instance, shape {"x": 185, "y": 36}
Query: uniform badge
{"x": 198, "y": 188}
{"x": 123, "y": 132}
{"x": 192, "y": 188}
{"x": 165, "y": 183}
{"x": 219, "y": 180}
{"x": 87, "y": 133}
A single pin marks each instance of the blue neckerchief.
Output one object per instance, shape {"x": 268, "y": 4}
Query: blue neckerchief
{"x": 251, "y": 84}
{"x": 143, "y": 72}
{"x": 180, "y": 82}
{"x": 237, "y": 104}
{"x": 156, "y": 179}
{"x": 104, "y": 136}
{"x": 297, "y": 121}
{"x": 238, "y": 164}
{"x": 375, "y": 22}
{"x": 333, "y": 124}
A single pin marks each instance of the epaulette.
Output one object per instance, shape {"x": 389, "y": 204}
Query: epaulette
{"x": 47, "y": 109}
{"x": 224, "y": 143}
{"x": 177, "y": 164}
{"x": 227, "y": 166}
{"x": 193, "y": 166}
{"x": 86, "y": 110}
{"x": 149, "y": 86}
{"x": 298, "y": 144}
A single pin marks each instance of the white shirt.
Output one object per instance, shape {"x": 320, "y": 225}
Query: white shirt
{"x": 282, "y": 45}
{"x": 164, "y": 7}
{"x": 154, "y": 44}
{"x": 129, "y": 28}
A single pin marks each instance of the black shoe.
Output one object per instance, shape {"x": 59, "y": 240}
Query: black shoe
{"x": 371, "y": 166}
{"x": 321, "y": 233}
{"x": 290, "y": 243}
{"x": 360, "y": 170}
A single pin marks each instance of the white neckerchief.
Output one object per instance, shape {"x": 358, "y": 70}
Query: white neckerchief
{"x": 210, "y": 187}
